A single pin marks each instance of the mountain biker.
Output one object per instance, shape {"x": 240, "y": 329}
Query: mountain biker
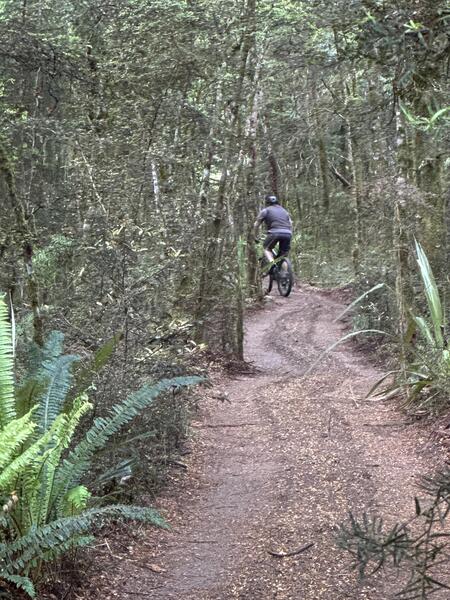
{"x": 279, "y": 227}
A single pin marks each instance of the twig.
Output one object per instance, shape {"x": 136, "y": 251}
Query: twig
{"x": 89, "y": 170}
{"x": 292, "y": 553}
{"x": 111, "y": 552}
{"x": 201, "y": 542}
{"x": 353, "y": 396}
{"x": 147, "y": 595}
{"x": 177, "y": 463}
{"x": 393, "y": 424}
{"x": 226, "y": 425}
{"x": 345, "y": 182}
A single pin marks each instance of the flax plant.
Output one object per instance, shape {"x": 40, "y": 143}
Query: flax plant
{"x": 425, "y": 382}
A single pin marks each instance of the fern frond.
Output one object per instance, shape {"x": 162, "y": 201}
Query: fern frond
{"x": 13, "y": 436}
{"x": 49, "y": 541}
{"x": 22, "y": 583}
{"x": 48, "y": 380}
{"x": 42, "y": 498}
{"x": 7, "y": 400}
{"x": 80, "y": 541}
{"x": 76, "y": 500}
{"x": 83, "y": 377}
{"x": 52, "y": 348}
{"x": 25, "y": 462}
{"x": 104, "y": 428}
{"x": 27, "y": 394}
{"x": 59, "y": 378}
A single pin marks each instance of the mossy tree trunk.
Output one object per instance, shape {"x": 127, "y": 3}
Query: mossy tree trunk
{"x": 23, "y": 235}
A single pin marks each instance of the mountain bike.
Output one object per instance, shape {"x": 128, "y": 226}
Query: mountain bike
{"x": 281, "y": 272}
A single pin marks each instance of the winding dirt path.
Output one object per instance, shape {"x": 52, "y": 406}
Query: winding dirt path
{"x": 279, "y": 461}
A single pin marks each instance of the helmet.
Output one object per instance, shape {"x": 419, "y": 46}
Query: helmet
{"x": 271, "y": 199}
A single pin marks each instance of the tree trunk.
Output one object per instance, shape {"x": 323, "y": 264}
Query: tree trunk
{"x": 210, "y": 286}
{"x": 25, "y": 236}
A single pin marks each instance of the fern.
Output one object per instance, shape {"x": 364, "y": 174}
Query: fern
{"x": 76, "y": 500}
{"x": 36, "y": 381}
{"x": 52, "y": 349}
{"x": 48, "y": 514}
{"x": 42, "y": 498}
{"x": 104, "y": 428}
{"x": 12, "y": 437}
{"x": 52, "y": 540}
{"x": 23, "y": 583}
{"x": 23, "y": 462}
{"x": 58, "y": 376}
{"x": 7, "y": 401}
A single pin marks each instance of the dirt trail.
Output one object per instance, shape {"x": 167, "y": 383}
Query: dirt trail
{"x": 277, "y": 465}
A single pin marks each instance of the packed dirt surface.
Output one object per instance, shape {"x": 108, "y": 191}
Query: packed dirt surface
{"x": 279, "y": 457}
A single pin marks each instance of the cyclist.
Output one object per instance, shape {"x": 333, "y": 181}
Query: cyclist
{"x": 279, "y": 228}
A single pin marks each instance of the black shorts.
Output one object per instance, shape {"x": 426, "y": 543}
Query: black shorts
{"x": 283, "y": 239}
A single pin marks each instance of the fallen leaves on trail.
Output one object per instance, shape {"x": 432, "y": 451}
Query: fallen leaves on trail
{"x": 157, "y": 569}
{"x": 292, "y": 552}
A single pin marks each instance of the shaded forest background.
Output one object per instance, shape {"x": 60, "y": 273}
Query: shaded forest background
{"x": 141, "y": 137}
{"x": 138, "y": 138}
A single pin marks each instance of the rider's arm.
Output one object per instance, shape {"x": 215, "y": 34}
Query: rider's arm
{"x": 257, "y": 224}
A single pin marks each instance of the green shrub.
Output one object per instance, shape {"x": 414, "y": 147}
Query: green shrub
{"x": 425, "y": 382}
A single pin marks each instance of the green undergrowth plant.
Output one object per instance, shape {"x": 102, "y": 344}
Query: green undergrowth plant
{"x": 425, "y": 380}
{"x": 47, "y": 508}
{"x": 418, "y": 546}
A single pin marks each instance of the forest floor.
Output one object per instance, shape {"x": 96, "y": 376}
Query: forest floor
{"x": 279, "y": 456}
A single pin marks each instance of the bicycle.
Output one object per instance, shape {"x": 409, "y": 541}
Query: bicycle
{"x": 281, "y": 272}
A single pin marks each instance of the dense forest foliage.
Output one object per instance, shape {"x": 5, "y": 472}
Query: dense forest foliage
{"x": 139, "y": 137}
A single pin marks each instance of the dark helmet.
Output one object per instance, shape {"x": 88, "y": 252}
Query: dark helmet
{"x": 270, "y": 199}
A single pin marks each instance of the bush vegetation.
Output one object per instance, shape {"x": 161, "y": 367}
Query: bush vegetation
{"x": 47, "y": 508}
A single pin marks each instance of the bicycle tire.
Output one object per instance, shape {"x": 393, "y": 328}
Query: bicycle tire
{"x": 285, "y": 282}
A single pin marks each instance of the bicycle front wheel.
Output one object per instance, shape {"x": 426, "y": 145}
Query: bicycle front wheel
{"x": 285, "y": 277}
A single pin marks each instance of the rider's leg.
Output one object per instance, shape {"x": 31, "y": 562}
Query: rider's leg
{"x": 269, "y": 256}
{"x": 284, "y": 247}
{"x": 268, "y": 245}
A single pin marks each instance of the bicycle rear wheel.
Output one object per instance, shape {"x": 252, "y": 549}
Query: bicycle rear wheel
{"x": 285, "y": 277}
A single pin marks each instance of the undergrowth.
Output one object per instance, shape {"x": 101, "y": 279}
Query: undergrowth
{"x": 48, "y": 510}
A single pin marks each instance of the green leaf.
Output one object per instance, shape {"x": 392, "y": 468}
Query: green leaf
{"x": 377, "y": 384}
{"x": 57, "y": 373}
{"x": 438, "y": 115}
{"x": 76, "y": 500}
{"x": 425, "y": 330}
{"x": 12, "y": 437}
{"x": 341, "y": 341}
{"x": 358, "y": 300}
{"x": 431, "y": 294}
{"x": 7, "y": 400}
